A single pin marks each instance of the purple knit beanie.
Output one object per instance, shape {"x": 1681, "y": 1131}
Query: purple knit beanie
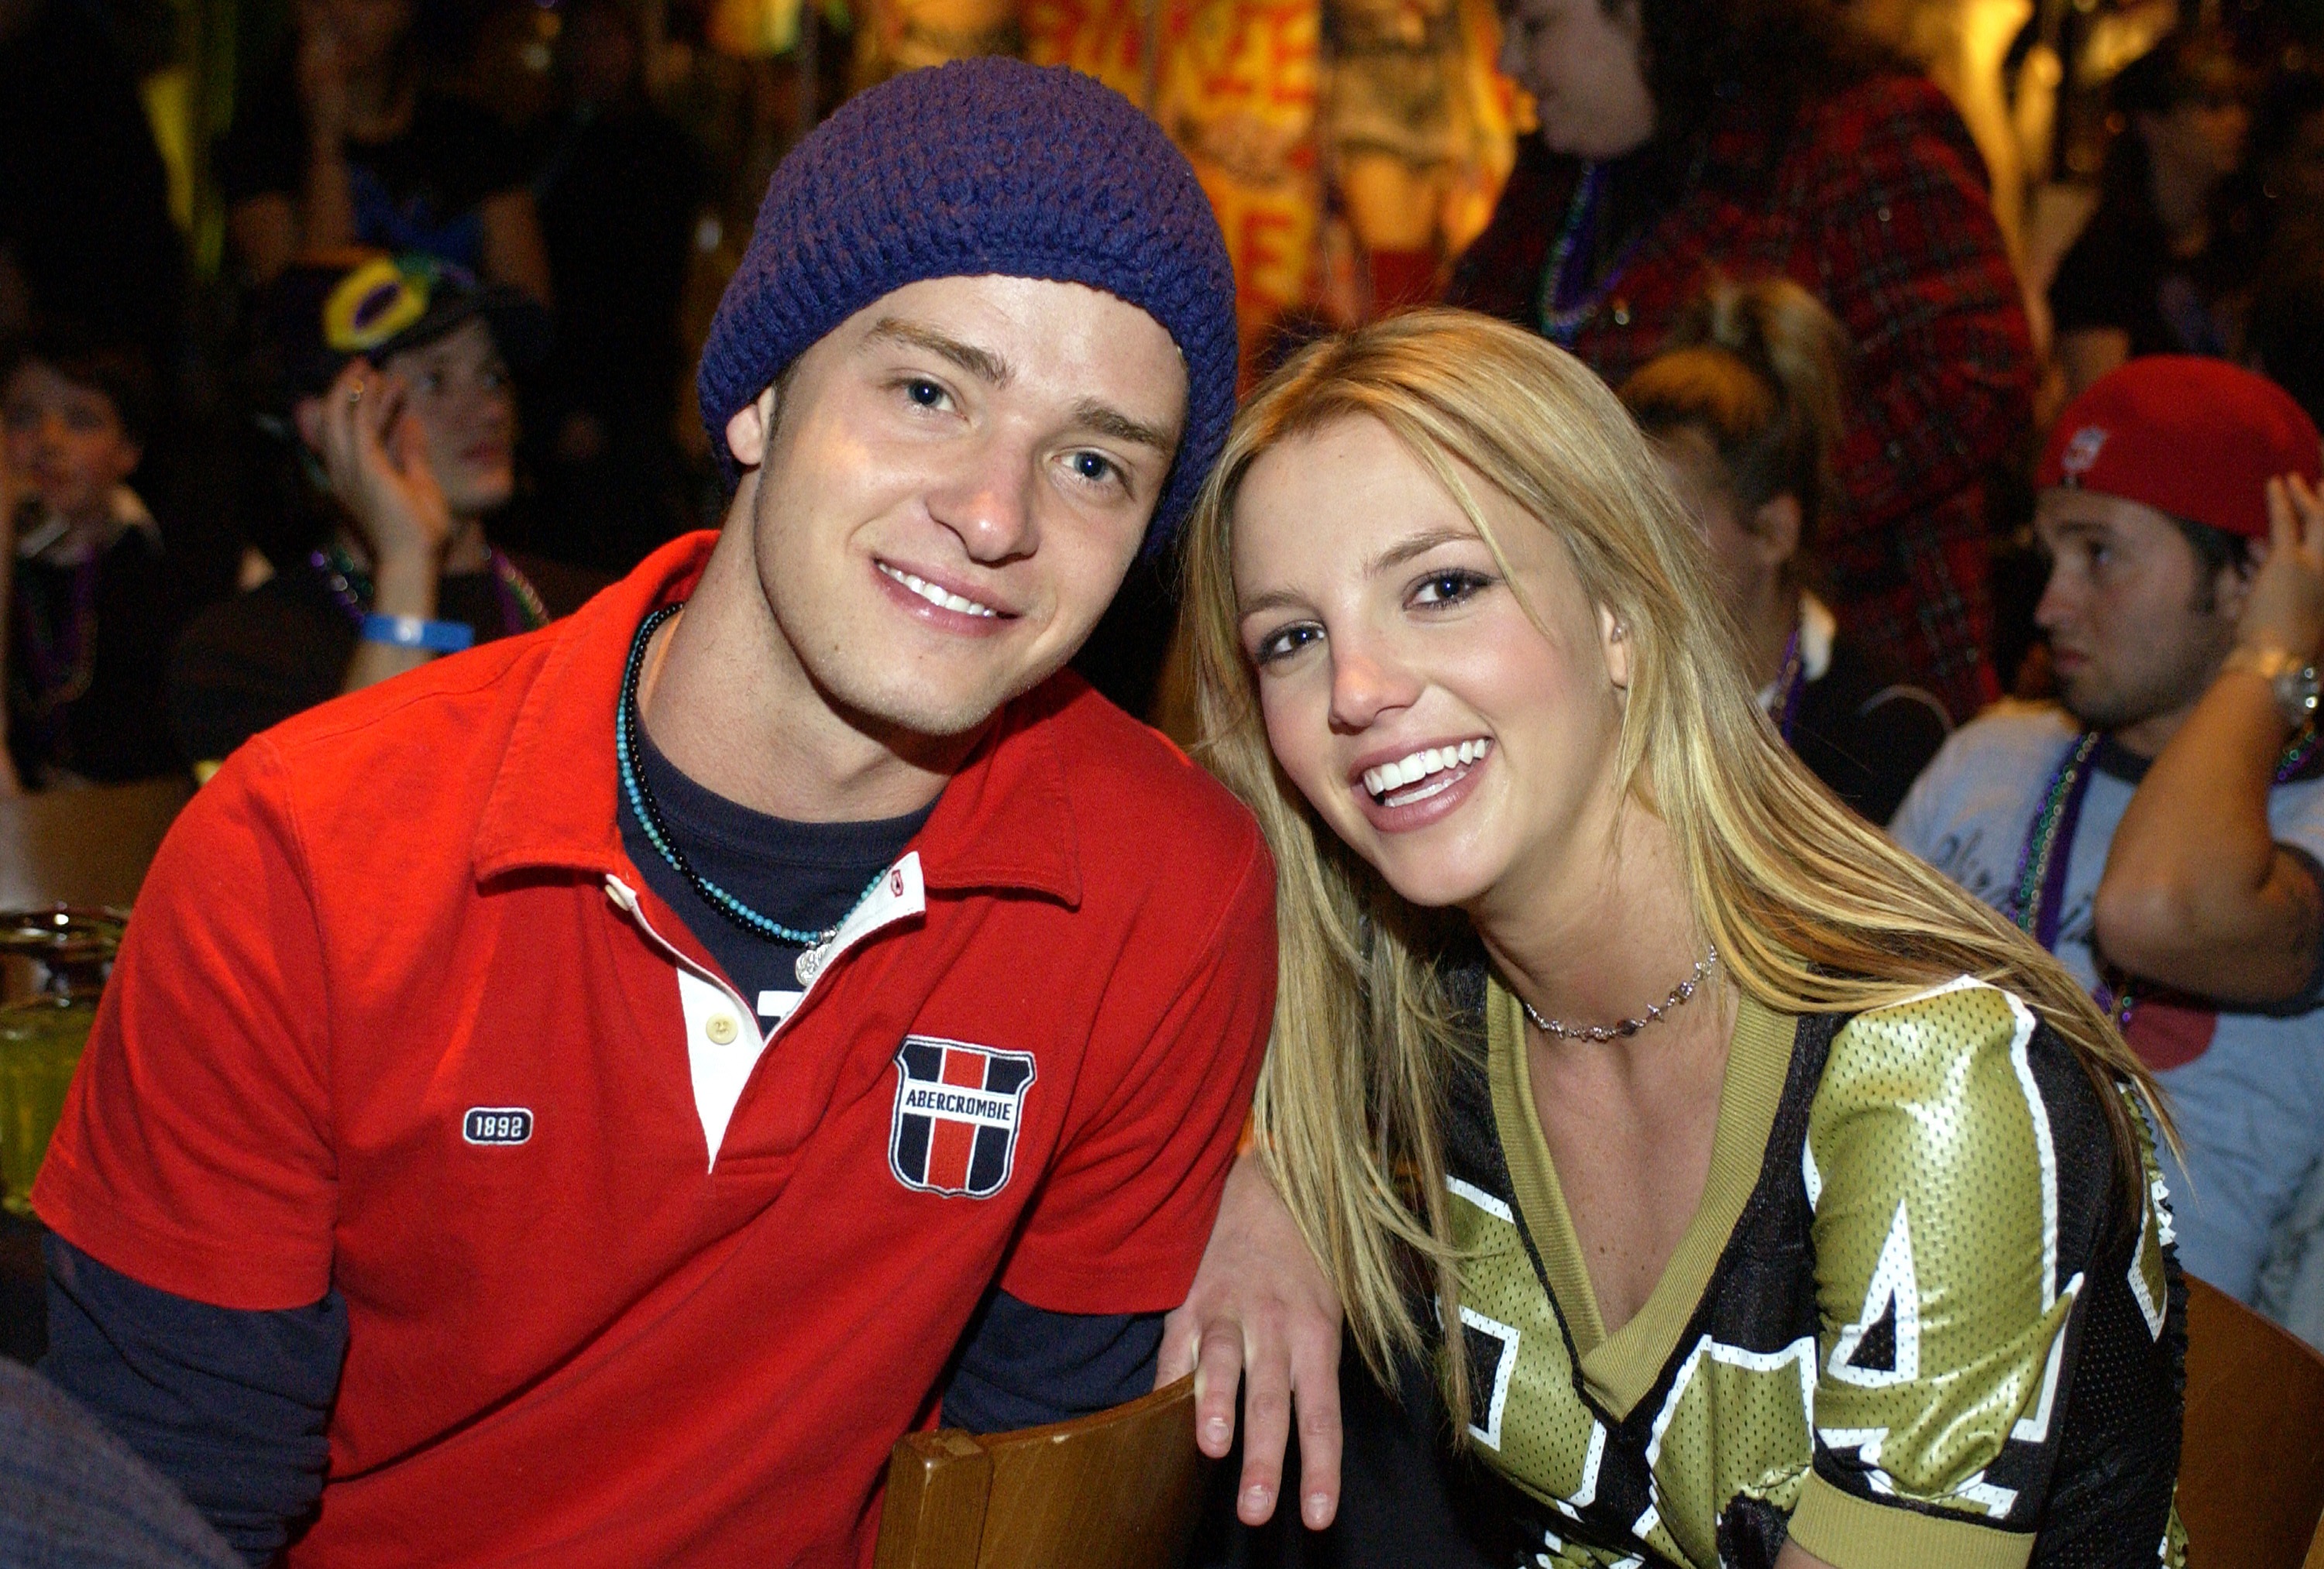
{"x": 978, "y": 167}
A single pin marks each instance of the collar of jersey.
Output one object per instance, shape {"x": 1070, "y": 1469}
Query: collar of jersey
{"x": 1005, "y": 822}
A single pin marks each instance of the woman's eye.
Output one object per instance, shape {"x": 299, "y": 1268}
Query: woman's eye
{"x": 1447, "y": 588}
{"x": 926, "y": 394}
{"x": 1281, "y": 645}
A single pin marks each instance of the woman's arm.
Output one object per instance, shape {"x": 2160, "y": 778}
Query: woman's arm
{"x": 1261, "y": 1315}
{"x": 264, "y": 231}
{"x": 372, "y": 452}
{"x": 326, "y": 206}
{"x": 514, "y": 252}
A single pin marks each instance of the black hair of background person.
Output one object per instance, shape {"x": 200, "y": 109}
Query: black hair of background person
{"x": 1698, "y": 58}
{"x": 87, "y": 235}
{"x": 2120, "y": 271}
{"x": 84, "y": 198}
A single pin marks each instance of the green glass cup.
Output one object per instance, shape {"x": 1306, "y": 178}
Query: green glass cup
{"x": 41, "y": 1038}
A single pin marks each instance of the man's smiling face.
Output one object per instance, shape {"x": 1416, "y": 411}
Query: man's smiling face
{"x": 957, "y": 478}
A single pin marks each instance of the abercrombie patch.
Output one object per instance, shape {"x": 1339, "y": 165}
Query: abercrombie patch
{"x": 496, "y": 1124}
{"x": 957, "y": 1111}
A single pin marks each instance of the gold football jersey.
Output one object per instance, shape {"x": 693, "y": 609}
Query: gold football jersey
{"x": 1905, "y": 1325}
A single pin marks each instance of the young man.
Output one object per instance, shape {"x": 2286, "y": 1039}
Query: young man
{"x": 602, "y": 1089}
{"x": 95, "y": 599}
{"x": 2160, "y": 831}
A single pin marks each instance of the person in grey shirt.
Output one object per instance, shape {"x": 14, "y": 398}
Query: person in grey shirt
{"x": 2160, "y": 829}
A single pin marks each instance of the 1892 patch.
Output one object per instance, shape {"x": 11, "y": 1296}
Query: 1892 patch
{"x": 957, "y": 1111}
{"x": 496, "y": 1124}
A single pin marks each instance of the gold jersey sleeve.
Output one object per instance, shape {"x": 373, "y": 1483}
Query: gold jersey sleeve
{"x": 1932, "y": 1171}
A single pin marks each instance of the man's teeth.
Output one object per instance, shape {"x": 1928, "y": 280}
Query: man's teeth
{"x": 1429, "y": 760}
{"x": 937, "y": 596}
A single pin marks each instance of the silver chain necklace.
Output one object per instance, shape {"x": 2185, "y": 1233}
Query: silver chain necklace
{"x": 1602, "y": 1033}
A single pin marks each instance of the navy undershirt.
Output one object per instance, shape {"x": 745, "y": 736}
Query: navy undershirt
{"x": 232, "y": 1405}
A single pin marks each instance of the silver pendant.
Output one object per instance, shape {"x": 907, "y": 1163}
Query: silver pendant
{"x": 810, "y": 964}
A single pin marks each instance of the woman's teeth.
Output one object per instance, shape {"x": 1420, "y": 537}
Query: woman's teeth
{"x": 1387, "y": 783}
{"x": 935, "y": 595}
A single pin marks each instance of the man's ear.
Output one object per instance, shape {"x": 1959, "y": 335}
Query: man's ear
{"x": 307, "y": 413}
{"x": 1775, "y": 529}
{"x": 747, "y": 432}
{"x": 1614, "y": 643}
{"x": 2231, "y": 584}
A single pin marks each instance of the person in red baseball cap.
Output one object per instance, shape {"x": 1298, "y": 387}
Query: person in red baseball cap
{"x": 2161, "y": 827}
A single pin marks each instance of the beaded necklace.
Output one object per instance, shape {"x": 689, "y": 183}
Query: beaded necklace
{"x": 2037, "y": 898}
{"x": 521, "y": 609}
{"x": 648, "y": 813}
{"x": 1679, "y": 994}
{"x": 60, "y": 647}
{"x": 1565, "y": 299}
{"x": 1562, "y": 316}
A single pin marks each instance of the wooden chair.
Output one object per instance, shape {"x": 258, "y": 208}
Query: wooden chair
{"x": 2251, "y": 1464}
{"x": 84, "y": 846}
{"x": 1119, "y": 1489}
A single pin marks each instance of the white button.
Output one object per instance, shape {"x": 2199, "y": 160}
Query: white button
{"x": 721, "y": 1029}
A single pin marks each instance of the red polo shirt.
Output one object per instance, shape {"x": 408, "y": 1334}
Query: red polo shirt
{"x": 627, "y": 1284}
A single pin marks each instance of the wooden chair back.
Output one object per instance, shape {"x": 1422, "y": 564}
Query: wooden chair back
{"x": 1119, "y": 1489}
{"x": 84, "y": 846}
{"x": 2251, "y": 1460}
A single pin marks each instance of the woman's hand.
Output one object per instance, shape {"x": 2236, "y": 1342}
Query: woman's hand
{"x": 377, "y": 463}
{"x": 1261, "y": 1313}
{"x": 322, "y": 80}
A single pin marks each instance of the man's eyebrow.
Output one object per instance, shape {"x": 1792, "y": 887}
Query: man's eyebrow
{"x": 1107, "y": 420}
{"x": 982, "y": 363}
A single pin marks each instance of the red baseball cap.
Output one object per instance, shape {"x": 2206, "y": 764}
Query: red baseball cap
{"x": 2197, "y": 438}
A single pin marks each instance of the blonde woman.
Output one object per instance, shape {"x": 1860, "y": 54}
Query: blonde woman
{"x": 1779, "y": 1205}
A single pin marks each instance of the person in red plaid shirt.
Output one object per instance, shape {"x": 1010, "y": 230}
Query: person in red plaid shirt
{"x": 1761, "y": 137}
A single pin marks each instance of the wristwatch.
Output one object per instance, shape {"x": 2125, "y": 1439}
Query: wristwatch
{"x": 2292, "y": 678}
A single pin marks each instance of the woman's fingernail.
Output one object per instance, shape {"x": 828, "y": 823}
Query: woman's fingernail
{"x": 1319, "y": 1506}
{"x": 1219, "y": 1429}
{"x": 1255, "y": 1497}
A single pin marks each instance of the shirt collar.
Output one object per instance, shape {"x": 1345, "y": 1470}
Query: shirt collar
{"x": 49, "y": 536}
{"x": 1005, "y": 821}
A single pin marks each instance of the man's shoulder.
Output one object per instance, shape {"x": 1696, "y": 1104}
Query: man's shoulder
{"x": 1138, "y": 798}
{"x": 1884, "y": 141}
{"x": 435, "y": 736}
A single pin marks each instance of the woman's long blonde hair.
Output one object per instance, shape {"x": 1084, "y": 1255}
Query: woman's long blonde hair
{"x": 1813, "y": 911}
